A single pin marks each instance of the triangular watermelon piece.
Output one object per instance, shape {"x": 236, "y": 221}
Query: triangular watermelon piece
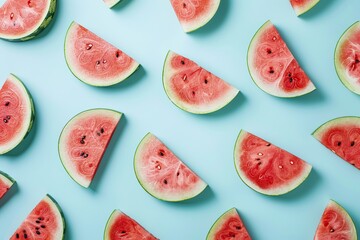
{"x": 111, "y": 3}
{"x": 162, "y": 174}
{"x": 303, "y": 6}
{"x": 6, "y": 182}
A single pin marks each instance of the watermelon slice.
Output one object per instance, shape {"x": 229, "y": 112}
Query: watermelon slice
{"x": 111, "y": 3}
{"x": 302, "y": 6}
{"x": 45, "y": 221}
{"x": 342, "y": 137}
{"x": 193, "y": 14}
{"x": 272, "y": 66}
{"x": 83, "y": 142}
{"x": 347, "y": 58}
{"x": 6, "y": 182}
{"x": 192, "y": 88}
{"x": 162, "y": 174}
{"x": 267, "y": 168}
{"x": 22, "y": 20}
{"x": 93, "y": 60}
{"x": 16, "y": 113}
{"x": 335, "y": 224}
{"x": 120, "y": 226}
{"x": 228, "y": 226}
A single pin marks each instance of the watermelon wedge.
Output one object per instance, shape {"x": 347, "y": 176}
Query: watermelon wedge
{"x": 162, "y": 174}
{"x": 267, "y": 168}
{"x": 193, "y": 14}
{"x": 111, "y": 3}
{"x": 347, "y": 58}
{"x": 22, "y": 20}
{"x": 93, "y": 60}
{"x": 272, "y": 66}
{"x": 192, "y": 88}
{"x": 6, "y": 182}
{"x": 121, "y": 226}
{"x": 228, "y": 226}
{"x": 335, "y": 224}
{"x": 303, "y": 6}
{"x": 45, "y": 221}
{"x": 342, "y": 137}
{"x": 83, "y": 142}
{"x": 16, "y": 113}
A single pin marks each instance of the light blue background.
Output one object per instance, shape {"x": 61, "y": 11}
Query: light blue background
{"x": 146, "y": 30}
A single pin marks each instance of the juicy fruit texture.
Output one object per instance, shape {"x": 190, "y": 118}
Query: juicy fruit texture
{"x": 347, "y": 58}
{"x": 162, "y": 174}
{"x": 192, "y": 88}
{"x": 193, "y": 14}
{"x": 342, "y": 137}
{"x": 6, "y": 182}
{"x": 111, "y": 3}
{"x": 45, "y": 222}
{"x": 84, "y": 140}
{"x": 16, "y": 113}
{"x": 120, "y": 226}
{"x": 24, "y": 19}
{"x": 273, "y": 67}
{"x": 302, "y": 6}
{"x": 335, "y": 224}
{"x": 228, "y": 226}
{"x": 267, "y": 168}
{"x": 93, "y": 60}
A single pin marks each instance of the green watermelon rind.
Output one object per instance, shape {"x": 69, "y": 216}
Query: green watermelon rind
{"x": 206, "y": 20}
{"x": 254, "y": 40}
{"x": 113, "y": 3}
{"x": 38, "y": 29}
{"x": 89, "y": 81}
{"x": 137, "y": 151}
{"x": 340, "y": 71}
{"x": 109, "y": 223}
{"x": 190, "y": 109}
{"x": 306, "y": 8}
{"x": 59, "y": 140}
{"x": 215, "y": 226}
{"x": 32, "y": 115}
{"x": 10, "y": 181}
{"x": 281, "y": 191}
{"x": 346, "y": 215}
{"x": 56, "y": 205}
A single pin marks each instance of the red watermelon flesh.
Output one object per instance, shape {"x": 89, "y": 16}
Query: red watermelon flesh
{"x": 164, "y": 175}
{"x": 6, "y": 183}
{"x": 19, "y": 19}
{"x": 120, "y": 226}
{"x": 45, "y": 222}
{"x": 95, "y": 61}
{"x": 273, "y": 67}
{"x": 193, "y": 88}
{"x": 267, "y": 168}
{"x": 84, "y": 141}
{"x": 193, "y": 14}
{"x": 342, "y": 137}
{"x": 228, "y": 226}
{"x": 335, "y": 224}
{"x": 302, "y": 6}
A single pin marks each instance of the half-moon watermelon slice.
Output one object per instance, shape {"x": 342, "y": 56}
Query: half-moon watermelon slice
{"x": 272, "y": 66}
{"x": 193, "y": 14}
{"x": 111, "y": 3}
{"x": 120, "y": 226}
{"x": 162, "y": 174}
{"x": 342, "y": 137}
{"x": 22, "y": 20}
{"x": 194, "y": 89}
{"x": 228, "y": 226}
{"x": 84, "y": 140}
{"x": 16, "y": 113}
{"x": 93, "y": 60}
{"x": 267, "y": 168}
{"x": 335, "y": 224}
{"x": 347, "y": 58}
{"x": 6, "y": 182}
{"x": 302, "y": 6}
{"x": 44, "y": 222}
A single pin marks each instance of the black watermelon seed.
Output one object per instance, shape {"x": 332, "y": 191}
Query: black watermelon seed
{"x": 123, "y": 231}
{"x": 17, "y": 235}
{"x": 81, "y": 154}
{"x": 7, "y": 103}
{"x": 25, "y": 235}
{"x": 37, "y": 221}
{"x": 352, "y": 143}
{"x": 38, "y": 232}
{"x": 43, "y": 226}
{"x": 5, "y": 120}
{"x": 102, "y": 130}
{"x": 165, "y": 181}
{"x": 37, "y": 228}
{"x": 86, "y": 155}
{"x": 98, "y": 133}
{"x": 339, "y": 144}
{"x": 182, "y": 62}
{"x": 177, "y": 174}
{"x": 238, "y": 227}
{"x": 82, "y": 141}
{"x": 117, "y": 54}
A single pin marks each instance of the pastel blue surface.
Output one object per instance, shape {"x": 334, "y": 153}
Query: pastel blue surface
{"x": 146, "y": 30}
